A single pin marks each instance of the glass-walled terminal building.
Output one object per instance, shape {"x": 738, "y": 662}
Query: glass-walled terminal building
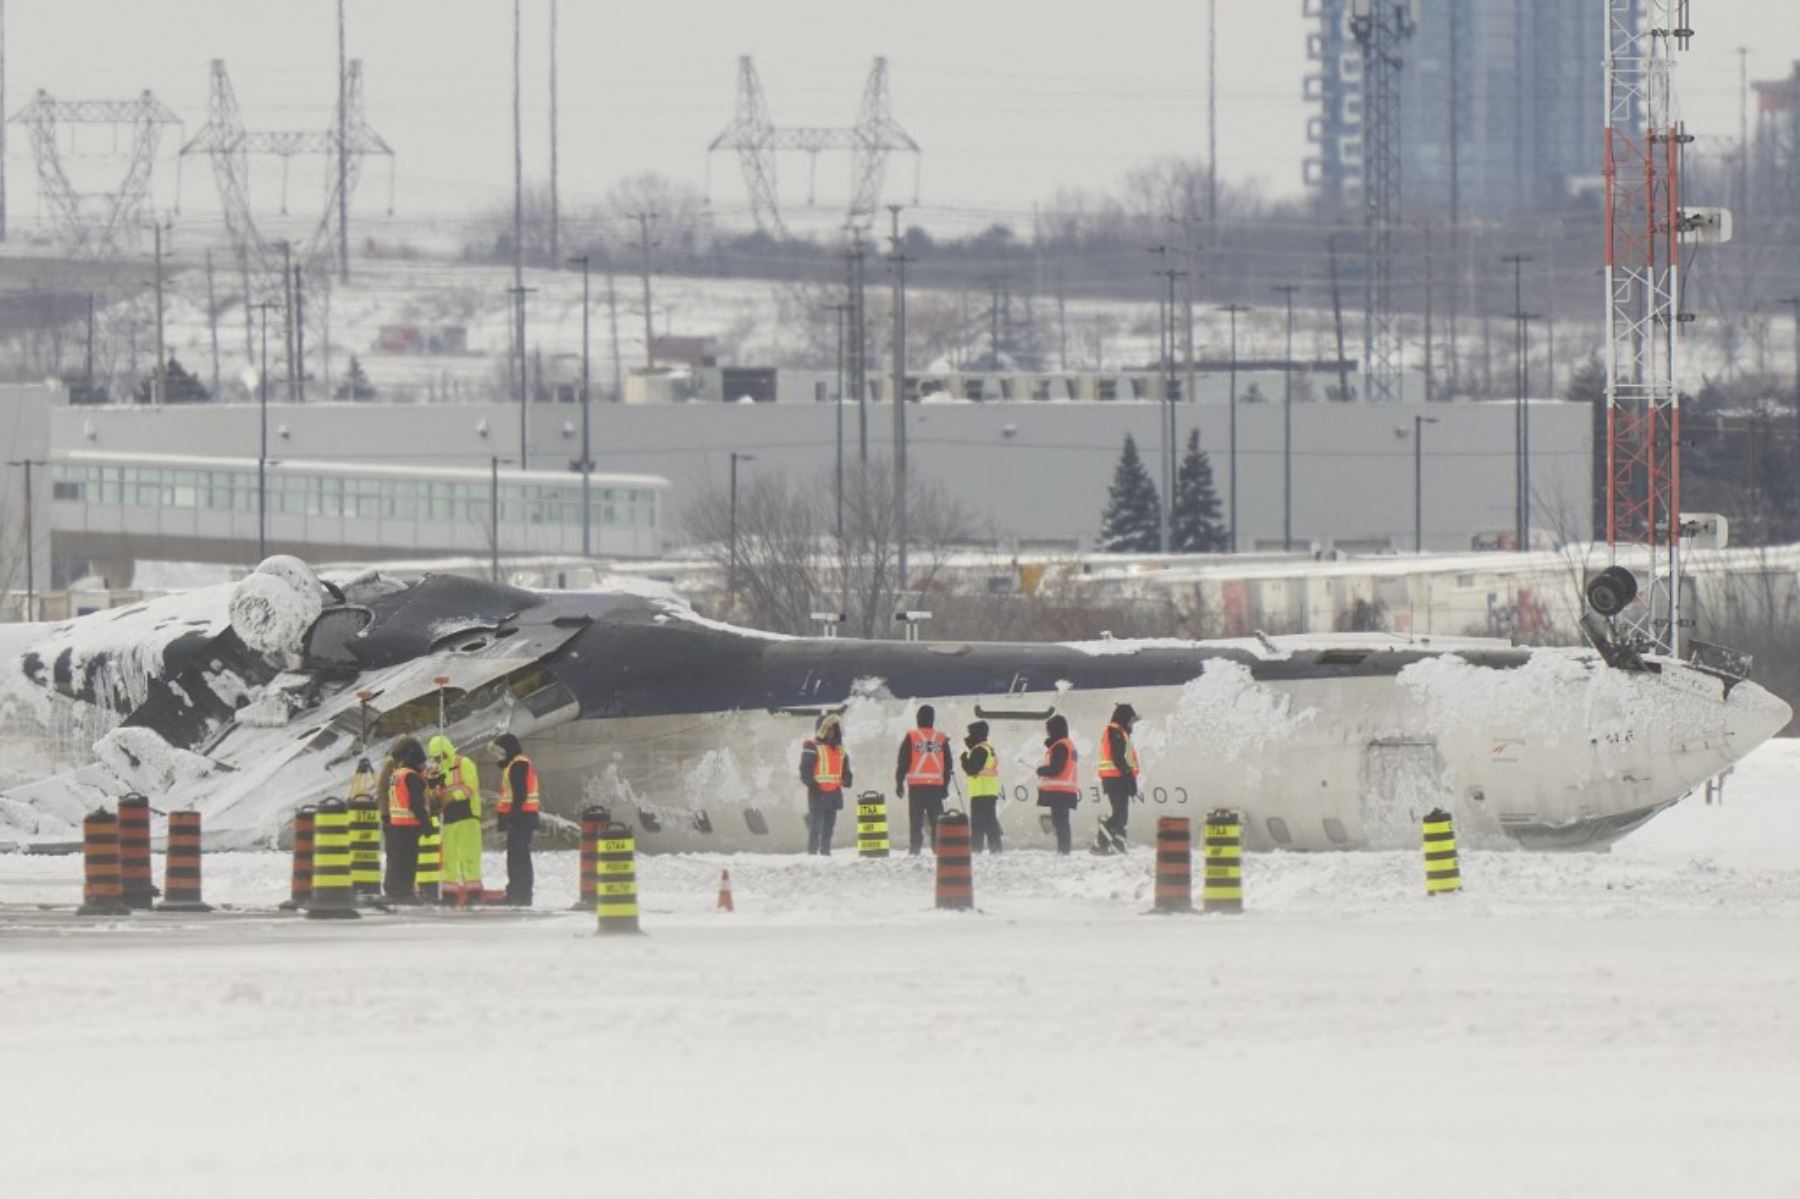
{"x": 209, "y": 509}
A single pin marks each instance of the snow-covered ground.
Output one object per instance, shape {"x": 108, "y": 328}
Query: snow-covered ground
{"x": 1583, "y": 1025}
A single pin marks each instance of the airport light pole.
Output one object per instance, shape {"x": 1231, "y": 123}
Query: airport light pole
{"x": 1520, "y": 381}
{"x": 1232, "y": 311}
{"x": 1419, "y": 423}
{"x": 731, "y": 568}
{"x": 1164, "y": 334}
{"x": 30, "y": 560}
{"x": 837, "y": 404}
{"x": 1286, "y": 291}
{"x": 262, "y": 445}
{"x": 587, "y": 456}
{"x": 519, "y": 294}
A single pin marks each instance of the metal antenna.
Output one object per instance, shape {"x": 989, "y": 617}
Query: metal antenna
{"x": 1380, "y": 26}
{"x": 756, "y": 140}
{"x": 225, "y": 141}
{"x": 96, "y": 225}
{"x": 1644, "y": 228}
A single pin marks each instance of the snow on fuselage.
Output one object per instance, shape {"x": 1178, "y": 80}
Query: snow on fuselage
{"x": 690, "y": 730}
{"x": 1322, "y": 743}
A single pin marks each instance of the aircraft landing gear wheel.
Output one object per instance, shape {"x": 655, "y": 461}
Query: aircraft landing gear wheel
{"x": 1610, "y": 591}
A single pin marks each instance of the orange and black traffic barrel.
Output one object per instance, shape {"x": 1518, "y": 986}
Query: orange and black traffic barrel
{"x": 135, "y": 884}
{"x": 616, "y": 900}
{"x": 1174, "y": 865}
{"x": 100, "y": 866}
{"x": 592, "y": 821}
{"x": 181, "y": 869}
{"x": 300, "y": 888}
{"x": 331, "y": 893}
{"x": 955, "y": 872}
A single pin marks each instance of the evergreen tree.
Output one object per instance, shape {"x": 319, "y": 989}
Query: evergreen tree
{"x": 1197, "y": 528}
{"x": 182, "y": 387}
{"x": 1133, "y": 519}
{"x": 356, "y": 385}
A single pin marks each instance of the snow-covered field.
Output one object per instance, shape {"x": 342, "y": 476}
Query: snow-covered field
{"x": 1584, "y": 1025}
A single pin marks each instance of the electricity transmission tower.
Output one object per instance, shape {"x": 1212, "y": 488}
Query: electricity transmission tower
{"x": 1380, "y": 27}
{"x": 228, "y": 145}
{"x": 1645, "y": 226}
{"x": 98, "y": 224}
{"x": 756, "y": 140}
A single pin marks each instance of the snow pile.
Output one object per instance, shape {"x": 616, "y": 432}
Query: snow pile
{"x": 679, "y": 610}
{"x": 1109, "y": 646}
{"x": 1229, "y": 713}
{"x": 143, "y": 762}
{"x": 451, "y": 626}
{"x": 719, "y": 778}
{"x": 641, "y": 587}
{"x": 1456, "y": 693}
{"x": 1531, "y": 702}
{"x": 272, "y": 609}
{"x": 271, "y": 709}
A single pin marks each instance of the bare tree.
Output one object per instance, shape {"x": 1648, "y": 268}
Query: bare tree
{"x": 788, "y": 561}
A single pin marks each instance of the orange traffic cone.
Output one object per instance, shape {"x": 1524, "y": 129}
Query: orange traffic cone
{"x": 725, "y": 891}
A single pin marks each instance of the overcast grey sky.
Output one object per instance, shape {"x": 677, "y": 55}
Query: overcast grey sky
{"x": 1009, "y": 98}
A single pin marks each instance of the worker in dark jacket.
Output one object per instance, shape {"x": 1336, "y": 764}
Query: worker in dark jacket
{"x": 517, "y": 815}
{"x": 408, "y": 817}
{"x": 981, "y": 765}
{"x": 825, "y": 773}
{"x": 922, "y": 776}
{"x": 1058, "y": 787}
{"x": 1118, "y": 778}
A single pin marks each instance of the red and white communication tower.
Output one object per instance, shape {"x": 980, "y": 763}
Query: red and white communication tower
{"x": 1645, "y": 227}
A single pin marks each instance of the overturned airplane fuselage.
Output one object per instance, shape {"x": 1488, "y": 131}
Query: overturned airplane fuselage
{"x": 690, "y": 730}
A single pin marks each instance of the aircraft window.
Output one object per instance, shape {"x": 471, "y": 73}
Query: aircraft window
{"x": 648, "y": 821}
{"x": 1043, "y": 714}
{"x": 949, "y": 649}
{"x": 758, "y": 824}
{"x": 1334, "y": 830}
{"x": 702, "y": 822}
{"x": 1278, "y": 831}
{"x": 329, "y": 638}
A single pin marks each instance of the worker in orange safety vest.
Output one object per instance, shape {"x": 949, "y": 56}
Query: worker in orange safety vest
{"x": 825, "y": 772}
{"x": 1058, "y": 786}
{"x": 407, "y": 817}
{"x": 517, "y": 815}
{"x": 1118, "y": 778}
{"x": 922, "y": 777}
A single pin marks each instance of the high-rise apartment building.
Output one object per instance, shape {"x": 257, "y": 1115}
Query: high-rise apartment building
{"x": 1510, "y": 93}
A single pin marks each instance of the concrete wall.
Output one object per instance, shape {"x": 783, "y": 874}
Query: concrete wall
{"x": 1034, "y": 471}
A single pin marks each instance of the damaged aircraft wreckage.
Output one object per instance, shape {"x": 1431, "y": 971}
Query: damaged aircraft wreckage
{"x": 247, "y": 700}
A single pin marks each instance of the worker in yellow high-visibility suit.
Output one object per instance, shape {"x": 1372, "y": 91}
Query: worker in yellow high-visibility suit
{"x": 460, "y": 782}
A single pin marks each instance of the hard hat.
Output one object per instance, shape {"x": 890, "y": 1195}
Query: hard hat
{"x": 440, "y": 746}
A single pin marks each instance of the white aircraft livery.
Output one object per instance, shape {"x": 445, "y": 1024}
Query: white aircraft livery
{"x": 246, "y": 701}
